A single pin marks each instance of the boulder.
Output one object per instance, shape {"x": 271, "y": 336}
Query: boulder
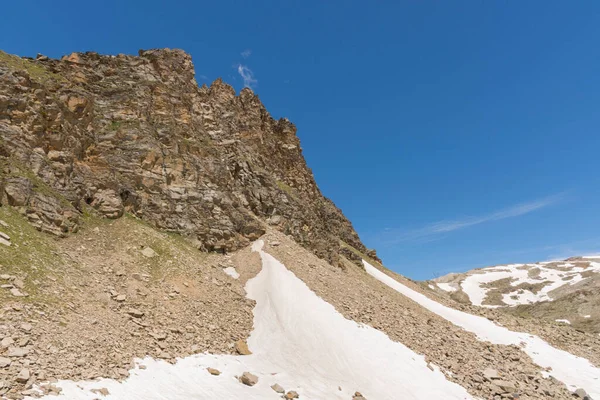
{"x": 148, "y": 252}
{"x": 17, "y": 352}
{"x": 26, "y": 327}
{"x": 242, "y": 348}
{"x": 23, "y": 376}
{"x": 582, "y": 394}
{"x": 490, "y": 374}
{"x": 134, "y": 312}
{"x": 249, "y": 379}
{"x": 277, "y": 388}
{"x": 4, "y": 239}
{"x": 17, "y": 293}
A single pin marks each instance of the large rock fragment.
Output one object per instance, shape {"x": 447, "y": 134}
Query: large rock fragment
{"x": 248, "y": 379}
{"x": 108, "y": 203}
{"x": 4, "y": 239}
{"x": 23, "y": 376}
{"x": 242, "y": 348}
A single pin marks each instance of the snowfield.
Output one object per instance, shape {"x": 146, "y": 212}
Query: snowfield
{"x": 564, "y": 321}
{"x": 300, "y": 342}
{"x": 447, "y": 287}
{"x": 575, "y": 372}
{"x": 231, "y": 271}
{"x": 567, "y": 273}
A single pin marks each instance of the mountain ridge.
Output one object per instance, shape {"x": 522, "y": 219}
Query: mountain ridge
{"x": 560, "y": 291}
{"x": 136, "y": 134}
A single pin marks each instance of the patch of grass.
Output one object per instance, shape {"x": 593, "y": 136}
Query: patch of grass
{"x": 290, "y": 191}
{"x": 36, "y": 71}
{"x": 168, "y": 245}
{"x": 39, "y": 186}
{"x": 33, "y": 255}
{"x": 90, "y": 218}
{"x": 115, "y": 125}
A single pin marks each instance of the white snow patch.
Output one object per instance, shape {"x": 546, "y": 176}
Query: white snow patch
{"x": 300, "y": 342}
{"x": 472, "y": 285}
{"x": 231, "y": 271}
{"x": 431, "y": 286}
{"x": 573, "y": 371}
{"x": 447, "y": 287}
{"x": 587, "y": 316}
{"x": 564, "y": 321}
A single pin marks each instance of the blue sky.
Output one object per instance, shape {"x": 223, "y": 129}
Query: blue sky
{"x": 454, "y": 135}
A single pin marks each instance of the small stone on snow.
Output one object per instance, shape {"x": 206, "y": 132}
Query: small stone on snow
{"x": 249, "y": 379}
{"x": 277, "y": 387}
{"x": 242, "y": 348}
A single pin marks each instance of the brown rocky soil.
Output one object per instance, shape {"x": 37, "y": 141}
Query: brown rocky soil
{"x": 108, "y": 302}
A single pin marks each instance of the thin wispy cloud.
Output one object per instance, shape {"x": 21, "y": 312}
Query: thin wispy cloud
{"x": 247, "y": 75}
{"x": 586, "y": 247}
{"x": 246, "y": 53}
{"x": 435, "y": 230}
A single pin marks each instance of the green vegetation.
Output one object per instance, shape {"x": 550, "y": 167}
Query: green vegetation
{"x": 290, "y": 191}
{"x": 33, "y": 255}
{"x": 36, "y": 71}
{"x": 39, "y": 186}
{"x": 40, "y": 260}
{"x": 169, "y": 246}
{"x": 115, "y": 125}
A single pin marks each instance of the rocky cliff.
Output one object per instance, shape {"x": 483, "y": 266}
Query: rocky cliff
{"x": 136, "y": 134}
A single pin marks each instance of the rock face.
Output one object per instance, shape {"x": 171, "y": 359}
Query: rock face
{"x": 126, "y": 134}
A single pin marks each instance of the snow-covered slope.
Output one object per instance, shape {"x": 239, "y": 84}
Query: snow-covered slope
{"x": 529, "y": 283}
{"x": 299, "y": 342}
{"x": 552, "y": 290}
{"x": 575, "y": 372}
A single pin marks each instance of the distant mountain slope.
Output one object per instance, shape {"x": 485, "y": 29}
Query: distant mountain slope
{"x": 562, "y": 291}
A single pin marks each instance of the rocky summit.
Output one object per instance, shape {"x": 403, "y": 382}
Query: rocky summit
{"x": 136, "y": 134}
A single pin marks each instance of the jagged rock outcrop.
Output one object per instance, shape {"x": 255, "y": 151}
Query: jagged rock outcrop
{"x": 131, "y": 134}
